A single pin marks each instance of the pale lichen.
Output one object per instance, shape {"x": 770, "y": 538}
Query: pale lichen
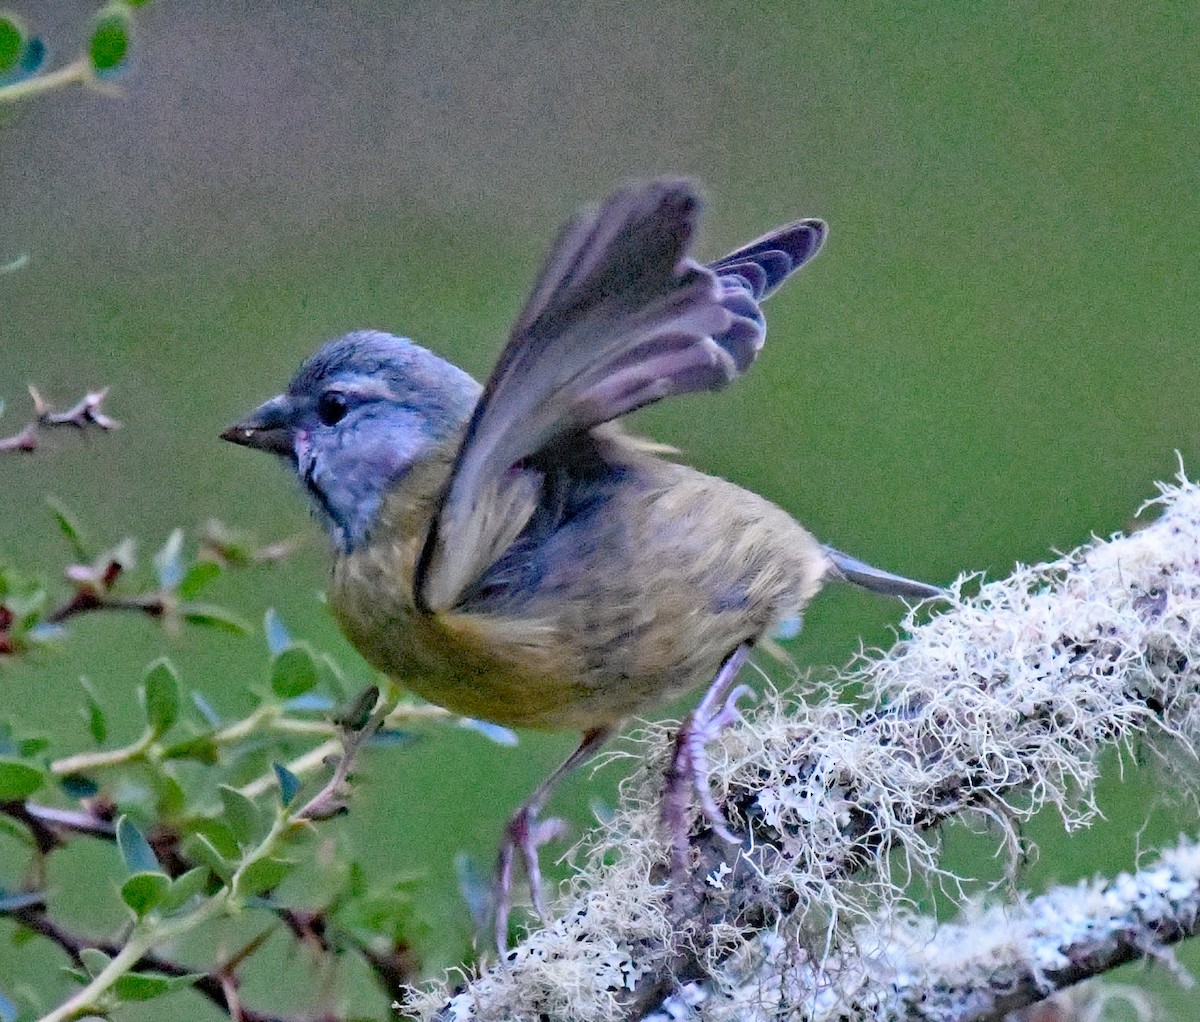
{"x": 999, "y": 705}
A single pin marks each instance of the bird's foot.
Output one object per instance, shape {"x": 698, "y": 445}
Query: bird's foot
{"x": 688, "y": 772}
{"x": 523, "y": 836}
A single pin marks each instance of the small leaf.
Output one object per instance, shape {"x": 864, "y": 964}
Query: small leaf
{"x": 391, "y": 737}
{"x": 14, "y": 901}
{"x": 197, "y": 577}
{"x": 168, "y": 562}
{"x": 201, "y": 748}
{"x": 495, "y": 732}
{"x": 169, "y": 795}
{"x": 33, "y": 746}
{"x": 264, "y": 874}
{"x": 184, "y": 888}
{"x": 108, "y": 47}
{"x": 143, "y": 986}
{"x": 160, "y": 695}
{"x": 241, "y": 814}
{"x": 20, "y": 54}
{"x": 311, "y": 702}
{"x": 209, "y": 615}
{"x": 12, "y": 42}
{"x": 70, "y": 527}
{"x": 97, "y": 722}
{"x": 278, "y": 637}
{"x": 143, "y": 891}
{"x": 355, "y": 715}
{"x": 18, "y": 779}
{"x": 289, "y": 784}
{"x": 293, "y": 671}
{"x": 94, "y": 960}
{"x": 200, "y": 850}
{"x": 473, "y": 887}
{"x": 78, "y": 786}
{"x": 135, "y": 849}
{"x": 206, "y": 709}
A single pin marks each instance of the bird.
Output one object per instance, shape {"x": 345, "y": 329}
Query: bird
{"x": 510, "y": 552}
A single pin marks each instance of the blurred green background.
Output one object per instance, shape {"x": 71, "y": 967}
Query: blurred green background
{"x": 993, "y": 358}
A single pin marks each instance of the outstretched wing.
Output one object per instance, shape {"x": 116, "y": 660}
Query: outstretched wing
{"x": 619, "y": 317}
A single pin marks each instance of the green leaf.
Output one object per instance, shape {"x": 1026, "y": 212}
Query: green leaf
{"x": 70, "y": 527}
{"x": 97, "y": 722}
{"x": 293, "y": 671}
{"x": 168, "y": 562}
{"x": 357, "y": 713}
{"x": 142, "y": 892}
{"x": 12, "y": 42}
{"x": 184, "y": 888}
{"x": 32, "y": 746}
{"x": 241, "y": 814}
{"x": 108, "y": 47}
{"x": 94, "y": 960}
{"x": 135, "y": 849}
{"x": 264, "y": 874}
{"x": 209, "y": 615}
{"x": 201, "y": 748}
{"x": 169, "y": 796}
{"x": 200, "y": 850}
{"x": 143, "y": 986}
{"x": 197, "y": 577}
{"x": 160, "y": 695}
{"x": 20, "y": 53}
{"x": 289, "y": 784}
{"x": 18, "y": 779}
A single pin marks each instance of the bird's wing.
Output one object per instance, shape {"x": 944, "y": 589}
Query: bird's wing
{"x": 619, "y": 317}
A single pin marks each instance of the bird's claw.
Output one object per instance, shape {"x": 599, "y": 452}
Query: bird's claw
{"x": 689, "y": 771}
{"x": 525, "y": 833}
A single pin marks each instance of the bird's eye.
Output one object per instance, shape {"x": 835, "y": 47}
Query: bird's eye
{"x": 332, "y": 407}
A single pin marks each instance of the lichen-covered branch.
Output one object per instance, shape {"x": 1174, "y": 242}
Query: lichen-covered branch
{"x": 984, "y": 969}
{"x": 1000, "y": 705}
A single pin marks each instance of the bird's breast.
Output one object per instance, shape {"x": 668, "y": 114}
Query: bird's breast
{"x": 634, "y": 595}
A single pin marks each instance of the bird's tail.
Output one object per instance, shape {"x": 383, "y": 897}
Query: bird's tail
{"x": 753, "y": 273}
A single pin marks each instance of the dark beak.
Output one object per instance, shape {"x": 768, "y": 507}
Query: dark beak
{"x": 270, "y": 427}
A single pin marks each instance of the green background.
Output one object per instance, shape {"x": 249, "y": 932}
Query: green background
{"x": 993, "y": 358}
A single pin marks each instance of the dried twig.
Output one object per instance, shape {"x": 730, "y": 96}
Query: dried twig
{"x": 88, "y": 412}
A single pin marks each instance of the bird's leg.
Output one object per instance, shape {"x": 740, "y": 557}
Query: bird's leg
{"x": 688, "y": 771}
{"x": 525, "y": 833}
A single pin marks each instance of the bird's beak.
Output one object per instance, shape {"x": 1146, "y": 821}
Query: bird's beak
{"x": 270, "y": 427}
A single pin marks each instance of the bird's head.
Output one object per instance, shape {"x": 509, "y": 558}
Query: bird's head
{"x": 358, "y": 415}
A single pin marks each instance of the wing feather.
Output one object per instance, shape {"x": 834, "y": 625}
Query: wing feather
{"x": 619, "y": 317}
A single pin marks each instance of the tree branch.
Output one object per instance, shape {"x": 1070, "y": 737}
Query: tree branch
{"x": 1000, "y": 706}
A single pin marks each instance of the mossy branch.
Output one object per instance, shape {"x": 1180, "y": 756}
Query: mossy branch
{"x": 1000, "y": 706}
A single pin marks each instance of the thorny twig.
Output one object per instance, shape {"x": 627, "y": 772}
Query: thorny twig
{"x": 86, "y": 413}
